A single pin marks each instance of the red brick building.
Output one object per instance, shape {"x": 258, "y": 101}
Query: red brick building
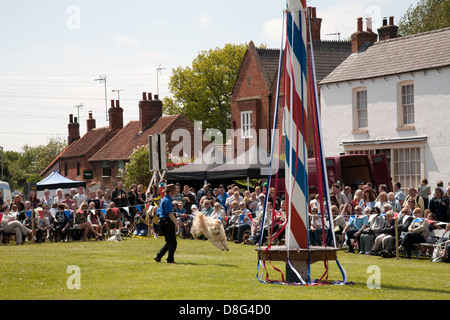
{"x": 99, "y": 155}
{"x": 253, "y": 98}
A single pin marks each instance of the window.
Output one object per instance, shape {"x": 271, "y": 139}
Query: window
{"x": 406, "y": 167}
{"x": 78, "y": 169}
{"x": 120, "y": 168}
{"x": 246, "y": 124}
{"x": 405, "y": 102}
{"x": 407, "y": 107}
{"x": 360, "y": 114}
{"x": 106, "y": 168}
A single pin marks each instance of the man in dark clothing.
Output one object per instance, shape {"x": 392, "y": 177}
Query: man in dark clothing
{"x": 168, "y": 226}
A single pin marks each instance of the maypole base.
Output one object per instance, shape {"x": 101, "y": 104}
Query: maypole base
{"x": 298, "y": 258}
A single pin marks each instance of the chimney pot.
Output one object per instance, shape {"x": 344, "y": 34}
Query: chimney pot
{"x": 112, "y": 104}
{"x": 360, "y": 24}
{"x": 90, "y": 123}
{"x": 369, "y": 24}
{"x": 74, "y": 130}
{"x": 384, "y": 21}
{"x": 150, "y": 96}
{"x": 313, "y": 12}
{"x": 391, "y": 20}
{"x": 144, "y": 96}
{"x": 117, "y": 104}
{"x": 156, "y": 97}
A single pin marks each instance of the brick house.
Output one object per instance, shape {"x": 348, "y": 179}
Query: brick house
{"x": 253, "y": 98}
{"x": 101, "y": 153}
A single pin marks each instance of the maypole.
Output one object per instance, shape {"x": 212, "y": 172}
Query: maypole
{"x": 297, "y": 254}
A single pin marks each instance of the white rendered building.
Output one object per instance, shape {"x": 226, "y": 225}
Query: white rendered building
{"x": 393, "y": 97}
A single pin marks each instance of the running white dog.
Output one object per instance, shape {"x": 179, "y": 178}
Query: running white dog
{"x": 212, "y": 229}
{"x": 116, "y": 237}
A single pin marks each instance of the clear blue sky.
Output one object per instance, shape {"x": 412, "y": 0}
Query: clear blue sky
{"x": 53, "y": 50}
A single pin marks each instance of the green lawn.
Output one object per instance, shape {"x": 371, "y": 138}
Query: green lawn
{"x": 126, "y": 270}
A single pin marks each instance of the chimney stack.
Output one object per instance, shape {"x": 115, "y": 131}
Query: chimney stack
{"x": 90, "y": 122}
{"x": 74, "y": 130}
{"x": 150, "y": 110}
{"x": 316, "y": 24}
{"x": 360, "y": 37}
{"x": 115, "y": 116}
{"x": 387, "y": 31}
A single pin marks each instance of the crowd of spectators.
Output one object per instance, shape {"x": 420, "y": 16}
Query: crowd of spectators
{"x": 363, "y": 218}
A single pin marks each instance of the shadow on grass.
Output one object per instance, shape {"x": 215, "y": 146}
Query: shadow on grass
{"x": 406, "y": 288}
{"x": 207, "y": 264}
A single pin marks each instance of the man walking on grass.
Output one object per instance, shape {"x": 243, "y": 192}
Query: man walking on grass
{"x": 168, "y": 225}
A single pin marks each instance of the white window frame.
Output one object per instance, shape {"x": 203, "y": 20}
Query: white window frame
{"x": 246, "y": 124}
{"x": 360, "y": 99}
{"x": 405, "y": 102}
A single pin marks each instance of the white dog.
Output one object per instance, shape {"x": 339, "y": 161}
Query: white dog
{"x": 212, "y": 229}
{"x": 116, "y": 237}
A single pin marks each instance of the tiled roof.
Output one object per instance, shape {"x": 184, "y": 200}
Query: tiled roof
{"x": 92, "y": 139}
{"x": 327, "y": 56}
{"x": 395, "y": 56}
{"x": 122, "y": 145}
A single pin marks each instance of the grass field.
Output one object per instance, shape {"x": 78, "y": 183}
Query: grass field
{"x": 126, "y": 270}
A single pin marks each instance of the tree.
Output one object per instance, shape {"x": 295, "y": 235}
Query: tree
{"x": 21, "y": 167}
{"x": 427, "y": 15}
{"x": 137, "y": 171}
{"x": 202, "y": 92}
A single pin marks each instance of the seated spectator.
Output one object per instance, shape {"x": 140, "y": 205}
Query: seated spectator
{"x": 67, "y": 200}
{"x": 94, "y": 217}
{"x": 338, "y": 222}
{"x": 61, "y": 223}
{"x": 275, "y": 220}
{"x": 219, "y": 212}
{"x": 412, "y": 194}
{"x": 382, "y": 200}
{"x": 81, "y": 222}
{"x": 418, "y": 232}
{"x": 141, "y": 225}
{"x": 240, "y": 222}
{"x": 44, "y": 223}
{"x": 207, "y": 197}
{"x": 354, "y": 228}
{"x": 387, "y": 233}
{"x": 9, "y": 225}
{"x": 315, "y": 228}
{"x": 369, "y": 233}
{"x": 396, "y": 206}
{"x": 113, "y": 219}
{"x": 207, "y": 208}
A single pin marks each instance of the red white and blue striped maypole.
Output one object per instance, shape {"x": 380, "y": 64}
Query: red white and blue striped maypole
{"x": 295, "y": 105}
{"x": 293, "y": 65}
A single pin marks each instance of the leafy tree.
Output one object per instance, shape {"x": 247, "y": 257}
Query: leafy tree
{"x": 20, "y": 167}
{"x": 427, "y": 15}
{"x": 137, "y": 171}
{"x": 202, "y": 92}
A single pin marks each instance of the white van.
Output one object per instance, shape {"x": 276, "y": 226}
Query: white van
{"x": 6, "y": 192}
